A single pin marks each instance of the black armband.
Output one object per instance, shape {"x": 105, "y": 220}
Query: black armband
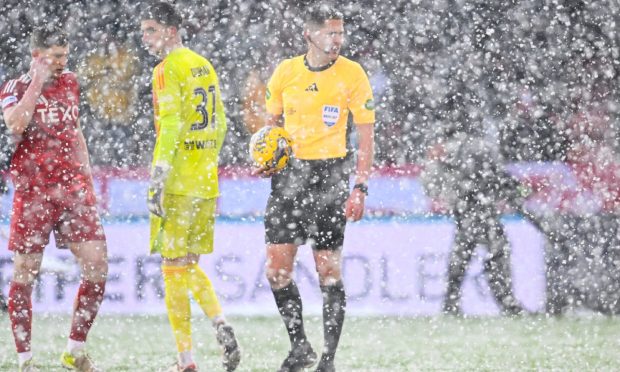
{"x": 361, "y": 187}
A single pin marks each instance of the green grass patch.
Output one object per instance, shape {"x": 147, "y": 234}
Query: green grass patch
{"x": 145, "y": 343}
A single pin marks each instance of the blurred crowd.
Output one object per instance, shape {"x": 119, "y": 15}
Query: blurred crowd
{"x": 537, "y": 78}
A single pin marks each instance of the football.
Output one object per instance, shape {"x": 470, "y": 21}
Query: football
{"x": 271, "y": 148}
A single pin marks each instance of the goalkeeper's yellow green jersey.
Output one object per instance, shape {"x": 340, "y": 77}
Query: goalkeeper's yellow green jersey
{"x": 190, "y": 123}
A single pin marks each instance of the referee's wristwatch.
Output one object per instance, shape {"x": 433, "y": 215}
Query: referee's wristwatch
{"x": 361, "y": 187}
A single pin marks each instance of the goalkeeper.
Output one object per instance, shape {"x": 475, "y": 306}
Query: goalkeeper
{"x": 190, "y": 125}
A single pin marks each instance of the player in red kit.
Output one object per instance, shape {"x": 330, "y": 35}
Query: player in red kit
{"x": 53, "y": 192}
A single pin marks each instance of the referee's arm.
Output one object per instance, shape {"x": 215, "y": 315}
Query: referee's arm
{"x": 365, "y": 153}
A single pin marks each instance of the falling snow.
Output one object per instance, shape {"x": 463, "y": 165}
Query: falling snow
{"x": 489, "y": 115}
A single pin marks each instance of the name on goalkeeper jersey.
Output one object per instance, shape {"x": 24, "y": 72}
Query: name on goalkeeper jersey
{"x": 200, "y": 71}
{"x": 200, "y": 145}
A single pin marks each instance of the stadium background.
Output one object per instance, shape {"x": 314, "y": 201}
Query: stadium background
{"x": 539, "y": 78}
{"x": 542, "y": 78}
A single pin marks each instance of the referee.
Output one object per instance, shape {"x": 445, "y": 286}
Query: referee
{"x": 312, "y": 96}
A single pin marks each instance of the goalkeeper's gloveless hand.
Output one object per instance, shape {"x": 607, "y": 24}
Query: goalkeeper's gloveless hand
{"x": 155, "y": 199}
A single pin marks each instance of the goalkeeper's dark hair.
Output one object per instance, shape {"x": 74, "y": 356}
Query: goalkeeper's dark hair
{"x": 47, "y": 36}
{"x": 163, "y": 13}
{"x": 318, "y": 14}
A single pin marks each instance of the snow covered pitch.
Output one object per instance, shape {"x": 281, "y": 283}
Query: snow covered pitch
{"x": 144, "y": 343}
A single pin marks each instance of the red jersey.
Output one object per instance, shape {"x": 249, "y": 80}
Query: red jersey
{"x": 48, "y": 152}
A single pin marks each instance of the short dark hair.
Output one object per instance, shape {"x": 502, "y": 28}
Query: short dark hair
{"x": 318, "y": 14}
{"x": 163, "y": 13}
{"x": 43, "y": 37}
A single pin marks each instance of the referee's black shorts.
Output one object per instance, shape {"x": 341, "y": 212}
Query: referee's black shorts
{"x": 307, "y": 204}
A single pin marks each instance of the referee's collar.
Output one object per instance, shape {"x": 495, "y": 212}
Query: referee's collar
{"x": 320, "y": 68}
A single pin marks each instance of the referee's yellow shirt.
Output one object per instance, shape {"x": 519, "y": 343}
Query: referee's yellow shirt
{"x": 190, "y": 123}
{"x": 316, "y": 104}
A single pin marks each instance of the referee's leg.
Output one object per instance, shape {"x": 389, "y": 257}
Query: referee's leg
{"x": 329, "y": 266}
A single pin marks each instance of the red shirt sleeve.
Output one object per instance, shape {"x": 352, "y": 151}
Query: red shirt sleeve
{"x": 10, "y": 93}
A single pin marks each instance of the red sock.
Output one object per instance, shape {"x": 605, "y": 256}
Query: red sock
{"x": 86, "y": 305}
{"x": 20, "y": 312}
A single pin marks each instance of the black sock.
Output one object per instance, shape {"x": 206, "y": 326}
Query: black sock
{"x": 289, "y": 305}
{"x": 334, "y": 306}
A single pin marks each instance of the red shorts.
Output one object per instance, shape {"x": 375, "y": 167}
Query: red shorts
{"x": 73, "y": 217}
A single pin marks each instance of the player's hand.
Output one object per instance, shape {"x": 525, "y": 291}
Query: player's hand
{"x": 155, "y": 199}
{"x": 354, "y": 210}
{"x": 40, "y": 69}
{"x": 263, "y": 172}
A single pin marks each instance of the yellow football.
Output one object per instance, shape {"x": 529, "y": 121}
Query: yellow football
{"x": 271, "y": 148}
